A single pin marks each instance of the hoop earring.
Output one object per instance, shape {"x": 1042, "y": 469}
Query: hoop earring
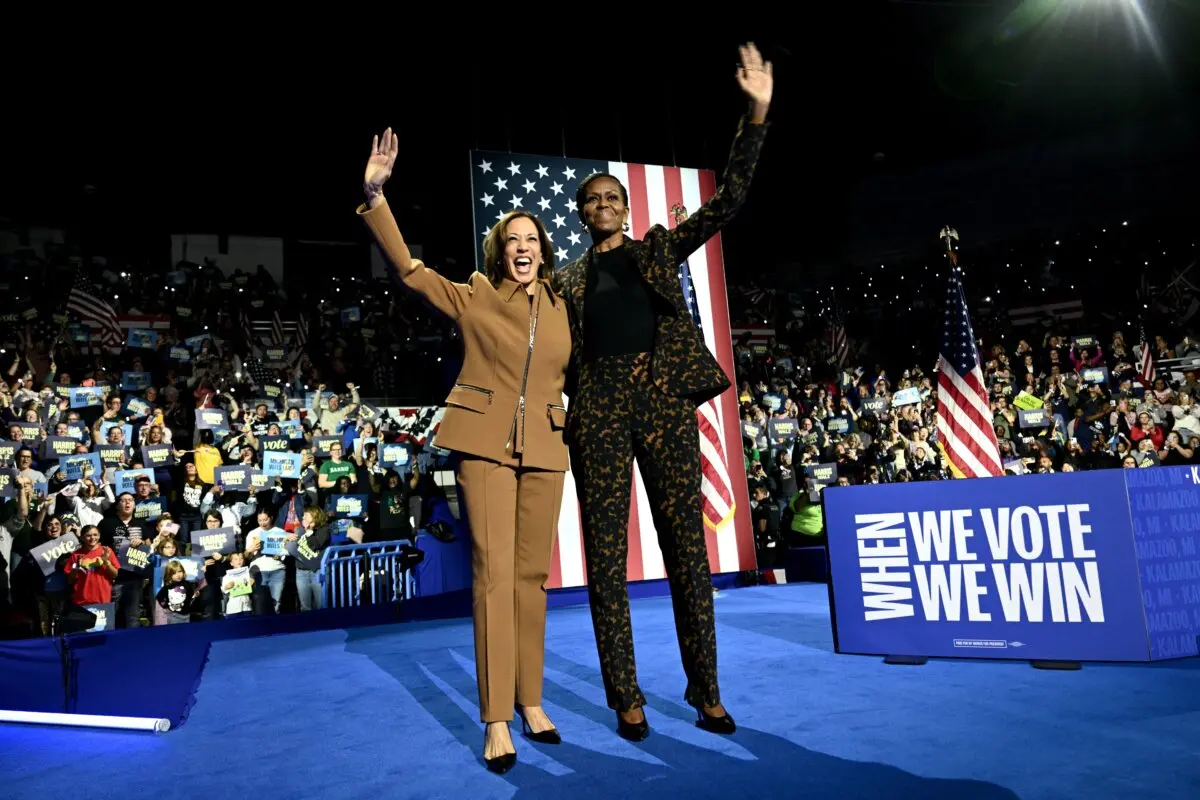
{"x": 625, "y": 227}
{"x": 583, "y": 227}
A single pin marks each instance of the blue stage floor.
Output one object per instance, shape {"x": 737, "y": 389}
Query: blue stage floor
{"x": 389, "y": 712}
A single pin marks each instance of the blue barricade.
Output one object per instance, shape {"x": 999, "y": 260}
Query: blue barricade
{"x": 365, "y": 574}
{"x": 1083, "y": 566}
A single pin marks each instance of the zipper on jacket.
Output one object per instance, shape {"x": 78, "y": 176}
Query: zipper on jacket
{"x": 479, "y": 389}
{"x": 520, "y": 409}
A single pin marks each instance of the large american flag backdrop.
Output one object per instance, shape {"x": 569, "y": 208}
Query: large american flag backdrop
{"x": 545, "y": 185}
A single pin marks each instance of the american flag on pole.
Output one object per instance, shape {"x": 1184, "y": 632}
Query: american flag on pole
{"x": 87, "y": 306}
{"x": 839, "y": 345}
{"x": 545, "y": 185}
{"x": 276, "y": 328}
{"x": 1146, "y": 359}
{"x": 964, "y": 416}
{"x": 301, "y": 331}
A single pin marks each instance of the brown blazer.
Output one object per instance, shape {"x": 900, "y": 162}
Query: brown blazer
{"x": 485, "y": 415}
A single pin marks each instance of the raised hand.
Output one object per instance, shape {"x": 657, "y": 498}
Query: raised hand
{"x": 756, "y": 77}
{"x": 380, "y": 163}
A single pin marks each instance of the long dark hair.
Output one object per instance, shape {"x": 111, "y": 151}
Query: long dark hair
{"x": 493, "y": 248}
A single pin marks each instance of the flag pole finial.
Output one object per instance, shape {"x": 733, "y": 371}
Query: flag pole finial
{"x": 950, "y": 236}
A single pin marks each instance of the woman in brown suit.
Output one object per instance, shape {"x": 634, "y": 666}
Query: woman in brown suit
{"x": 505, "y": 418}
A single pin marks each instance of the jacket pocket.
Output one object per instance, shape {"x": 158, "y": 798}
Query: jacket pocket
{"x": 558, "y": 416}
{"x": 473, "y": 398}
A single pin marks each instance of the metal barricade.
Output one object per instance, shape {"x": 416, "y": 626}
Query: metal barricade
{"x": 365, "y": 574}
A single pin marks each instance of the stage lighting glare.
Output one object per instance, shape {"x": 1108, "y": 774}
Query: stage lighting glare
{"x": 148, "y": 724}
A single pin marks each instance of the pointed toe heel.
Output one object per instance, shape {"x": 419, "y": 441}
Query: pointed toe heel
{"x": 501, "y": 764}
{"x": 723, "y": 725}
{"x": 633, "y": 731}
{"x": 541, "y": 737}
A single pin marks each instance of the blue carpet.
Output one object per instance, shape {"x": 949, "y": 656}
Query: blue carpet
{"x": 390, "y": 711}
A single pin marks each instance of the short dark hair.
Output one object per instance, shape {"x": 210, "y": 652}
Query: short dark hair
{"x": 581, "y": 192}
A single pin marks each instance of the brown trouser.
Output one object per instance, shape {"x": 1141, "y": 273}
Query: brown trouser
{"x": 513, "y": 514}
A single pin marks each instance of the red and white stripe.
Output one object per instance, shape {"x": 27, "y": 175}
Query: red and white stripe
{"x": 1146, "y": 371}
{"x": 653, "y": 190}
{"x": 964, "y": 422}
{"x": 759, "y": 334}
{"x": 144, "y": 322}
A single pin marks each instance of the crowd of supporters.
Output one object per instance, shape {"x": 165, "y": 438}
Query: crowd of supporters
{"x": 124, "y": 452}
{"x": 1065, "y": 394}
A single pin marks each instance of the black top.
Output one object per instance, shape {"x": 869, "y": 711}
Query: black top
{"x": 618, "y": 311}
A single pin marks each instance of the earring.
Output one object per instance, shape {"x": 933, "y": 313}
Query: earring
{"x": 625, "y": 227}
{"x": 583, "y": 227}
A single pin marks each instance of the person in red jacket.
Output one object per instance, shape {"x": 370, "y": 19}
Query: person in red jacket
{"x": 91, "y": 569}
{"x": 1147, "y": 429}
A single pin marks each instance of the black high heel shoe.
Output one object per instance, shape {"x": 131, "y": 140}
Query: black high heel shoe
{"x": 723, "y": 725}
{"x": 633, "y": 731}
{"x": 501, "y": 764}
{"x": 541, "y": 737}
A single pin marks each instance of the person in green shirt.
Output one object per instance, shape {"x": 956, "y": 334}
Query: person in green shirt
{"x": 808, "y": 520}
{"x": 335, "y": 468}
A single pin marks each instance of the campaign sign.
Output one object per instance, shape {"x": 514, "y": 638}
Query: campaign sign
{"x": 111, "y": 454}
{"x": 30, "y": 431}
{"x": 273, "y": 391}
{"x": 275, "y": 355}
{"x": 773, "y": 402}
{"x": 125, "y": 479}
{"x": 47, "y": 555}
{"x": 281, "y": 465}
{"x": 55, "y": 447}
{"x": 394, "y": 455}
{"x": 85, "y": 397}
{"x": 197, "y": 342}
{"x": 141, "y": 339}
{"x": 135, "y": 381}
{"x": 150, "y": 509}
{"x": 272, "y": 541}
{"x": 106, "y": 617}
{"x": 907, "y": 397}
{"x": 182, "y": 355}
{"x": 1165, "y": 505}
{"x": 837, "y": 425}
{"x": 874, "y": 405}
{"x": 322, "y": 444}
{"x": 212, "y": 419}
{"x": 351, "y": 315}
{"x": 236, "y": 477}
{"x": 824, "y": 474}
{"x": 1040, "y": 568}
{"x": 751, "y": 431}
{"x": 135, "y": 407}
{"x": 368, "y": 412}
{"x": 783, "y": 429}
{"x": 158, "y": 455}
{"x": 347, "y": 505}
{"x": 273, "y": 444}
{"x": 1036, "y": 418}
{"x": 292, "y": 428}
{"x": 258, "y": 478}
{"x": 8, "y": 478}
{"x": 8, "y": 451}
{"x": 1084, "y": 341}
{"x": 135, "y": 559}
{"x": 80, "y": 334}
{"x": 237, "y": 582}
{"x": 125, "y": 429}
{"x": 78, "y": 431}
{"x": 206, "y": 541}
{"x": 73, "y": 466}
{"x": 360, "y": 443}
{"x": 1094, "y": 375}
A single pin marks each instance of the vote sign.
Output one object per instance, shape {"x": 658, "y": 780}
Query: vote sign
{"x": 1047, "y": 567}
